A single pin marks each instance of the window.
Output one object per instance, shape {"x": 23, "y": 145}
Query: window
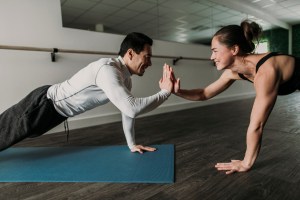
{"x": 262, "y": 47}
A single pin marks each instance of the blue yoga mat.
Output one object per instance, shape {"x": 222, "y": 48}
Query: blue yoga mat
{"x": 87, "y": 164}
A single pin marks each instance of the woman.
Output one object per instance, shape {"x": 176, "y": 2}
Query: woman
{"x": 271, "y": 73}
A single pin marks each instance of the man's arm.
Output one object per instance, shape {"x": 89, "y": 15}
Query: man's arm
{"x": 110, "y": 81}
{"x": 128, "y": 127}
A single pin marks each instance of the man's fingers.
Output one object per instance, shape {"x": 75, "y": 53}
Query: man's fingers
{"x": 137, "y": 150}
{"x": 140, "y": 149}
{"x": 149, "y": 148}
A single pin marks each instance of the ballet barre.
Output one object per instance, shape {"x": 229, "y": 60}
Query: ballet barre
{"x": 53, "y": 52}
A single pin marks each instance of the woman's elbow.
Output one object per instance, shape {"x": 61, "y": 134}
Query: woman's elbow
{"x": 201, "y": 98}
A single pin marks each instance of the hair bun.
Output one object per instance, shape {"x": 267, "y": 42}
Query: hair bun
{"x": 252, "y": 32}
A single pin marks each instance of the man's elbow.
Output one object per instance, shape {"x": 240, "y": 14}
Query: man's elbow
{"x": 131, "y": 112}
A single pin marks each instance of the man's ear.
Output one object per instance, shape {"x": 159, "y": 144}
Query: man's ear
{"x": 130, "y": 53}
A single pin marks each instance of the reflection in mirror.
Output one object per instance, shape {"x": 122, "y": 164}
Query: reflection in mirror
{"x": 191, "y": 21}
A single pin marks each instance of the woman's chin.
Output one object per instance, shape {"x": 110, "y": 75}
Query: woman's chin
{"x": 219, "y": 67}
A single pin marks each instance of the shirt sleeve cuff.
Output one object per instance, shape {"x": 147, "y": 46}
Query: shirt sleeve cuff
{"x": 131, "y": 146}
{"x": 165, "y": 92}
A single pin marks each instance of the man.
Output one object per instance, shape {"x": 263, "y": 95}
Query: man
{"x": 108, "y": 79}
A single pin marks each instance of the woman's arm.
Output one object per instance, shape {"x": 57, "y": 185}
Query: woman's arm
{"x": 217, "y": 87}
{"x": 266, "y": 84}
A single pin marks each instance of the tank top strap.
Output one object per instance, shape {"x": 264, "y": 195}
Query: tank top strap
{"x": 265, "y": 58}
{"x": 243, "y": 77}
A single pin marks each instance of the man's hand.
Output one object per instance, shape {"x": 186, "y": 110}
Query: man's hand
{"x": 232, "y": 167}
{"x": 166, "y": 80}
{"x": 141, "y": 149}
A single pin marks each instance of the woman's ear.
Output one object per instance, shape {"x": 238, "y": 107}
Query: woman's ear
{"x": 235, "y": 49}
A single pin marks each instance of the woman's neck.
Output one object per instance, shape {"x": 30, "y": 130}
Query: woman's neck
{"x": 244, "y": 65}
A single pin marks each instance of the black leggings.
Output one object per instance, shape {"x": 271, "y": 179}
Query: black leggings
{"x": 32, "y": 116}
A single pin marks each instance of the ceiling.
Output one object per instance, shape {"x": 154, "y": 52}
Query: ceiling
{"x": 187, "y": 21}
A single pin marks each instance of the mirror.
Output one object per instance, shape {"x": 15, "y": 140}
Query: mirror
{"x": 192, "y": 21}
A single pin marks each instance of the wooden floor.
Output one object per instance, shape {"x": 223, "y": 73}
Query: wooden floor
{"x": 202, "y": 137}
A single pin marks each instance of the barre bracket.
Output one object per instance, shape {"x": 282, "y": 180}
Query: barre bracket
{"x": 176, "y": 60}
{"x": 54, "y": 51}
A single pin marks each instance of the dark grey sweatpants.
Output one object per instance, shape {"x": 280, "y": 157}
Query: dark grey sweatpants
{"x": 32, "y": 116}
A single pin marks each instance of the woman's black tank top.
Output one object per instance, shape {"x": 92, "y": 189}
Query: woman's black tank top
{"x": 289, "y": 86}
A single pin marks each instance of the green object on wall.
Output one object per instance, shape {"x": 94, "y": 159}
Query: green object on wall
{"x": 296, "y": 40}
{"x": 278, "y": 40}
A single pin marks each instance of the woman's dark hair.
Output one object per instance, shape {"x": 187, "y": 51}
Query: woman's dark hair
{"x": 242, "y": 35}
{"x": 135, "y": 41}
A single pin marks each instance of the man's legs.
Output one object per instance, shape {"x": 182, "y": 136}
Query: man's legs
{"x": 32, "y": 116}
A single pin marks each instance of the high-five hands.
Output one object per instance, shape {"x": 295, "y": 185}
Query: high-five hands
{"x": 169, "y": 73}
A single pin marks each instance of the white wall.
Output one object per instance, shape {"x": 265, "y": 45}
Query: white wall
{"x": 38, "y": 23}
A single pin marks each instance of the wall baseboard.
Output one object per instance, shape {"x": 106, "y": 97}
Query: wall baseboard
{"x": 116, "y": 117}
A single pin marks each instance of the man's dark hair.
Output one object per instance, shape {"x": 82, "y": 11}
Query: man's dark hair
{"x": 135, "y": 41}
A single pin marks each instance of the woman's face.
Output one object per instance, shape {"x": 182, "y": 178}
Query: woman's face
{"x": 222, "y": 56}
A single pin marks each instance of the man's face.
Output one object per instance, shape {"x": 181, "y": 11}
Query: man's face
{"x": 141, "y": 61}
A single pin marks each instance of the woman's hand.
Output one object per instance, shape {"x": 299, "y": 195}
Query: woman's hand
{"x": 232, "y": 167}
{"x": 176, "y": 86}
